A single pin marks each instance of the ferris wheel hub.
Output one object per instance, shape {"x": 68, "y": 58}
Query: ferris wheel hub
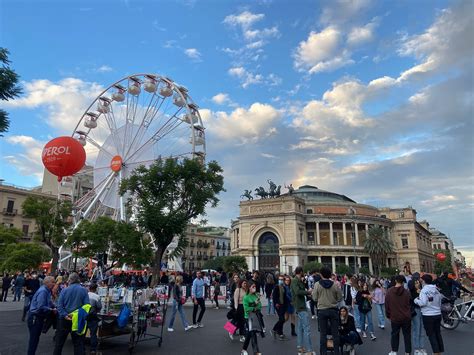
{"x": 116, "y": 163}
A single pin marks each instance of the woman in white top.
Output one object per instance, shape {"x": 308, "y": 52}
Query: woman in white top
{"x": 239, "y": 295}
{"x": 429, "y": 301}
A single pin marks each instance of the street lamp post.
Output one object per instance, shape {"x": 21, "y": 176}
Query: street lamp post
{"x": 351, "y": 211}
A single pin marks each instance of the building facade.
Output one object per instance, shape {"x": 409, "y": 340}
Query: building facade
{"x": 412, "y": 240}
{"x": 308, "y": 225}
{"x": 316, "y": 225}
{"x": 204, "y": 243}
{"x": 11, "y": 201}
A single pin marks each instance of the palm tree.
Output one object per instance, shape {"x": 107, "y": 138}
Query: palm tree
{"x": 8, "y": 87}
{"x": 378, "y": 245}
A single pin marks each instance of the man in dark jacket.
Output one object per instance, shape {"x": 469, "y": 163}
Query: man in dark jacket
{"x": 327, "y": 295}
{"x": 7, "y": 281}
{"x": 280, "y": 300}
{"x": 398, "y": 310}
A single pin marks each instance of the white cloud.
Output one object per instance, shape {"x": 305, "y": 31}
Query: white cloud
{"x": 342, "y": 11}
{"x": 245, "y": 19}
{"x": 242, "y": 125}
{"x": 104, "y": 69}
{"x": 318, "y": 48}
{"x": 193, "y": 53}
{"x": 444, "y": 44}
{"x": 247, "y": 78}
{"x": 64, "y": 101}
{"x": 360, "y": 35}
{"x": 221, "y": 98}
{"x": 29, "y": 161}
{"x": 268, "y": 156}
{"x": 440, "y": 199}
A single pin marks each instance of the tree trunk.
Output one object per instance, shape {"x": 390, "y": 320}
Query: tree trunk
{"x": 54, "y": 263}
{"x": 157, "y": 266}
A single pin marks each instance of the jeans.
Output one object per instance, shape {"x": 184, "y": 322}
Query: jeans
{"x": 17, "y": 294}
{"x": 200, "y": 303}
{"x": 380, "y": 314}
{"x": 351, "y": 338}
{"x": 93, "y": 325}
{"x": 278, "y": 327}
{"x": 357, "y": 317}
{"x": 395, "y": 336}
{"x": 35, "y": 326}
{"x": 432, "y": 326}
{"x": 270, "y": 308}
{"x": 330, "y": 315}
{"x": 303, "y": 331}
{"x": 417, "y": 333}
{"x": 64, "y": 328}
{"x": 250, "y": 336}
{"x": 177, "y": 308}
{"x": 367, "y": 315}
{"x": 26, "y": 305}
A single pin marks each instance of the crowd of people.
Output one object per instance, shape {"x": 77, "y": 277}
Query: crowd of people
{"x": 342, "y": 305}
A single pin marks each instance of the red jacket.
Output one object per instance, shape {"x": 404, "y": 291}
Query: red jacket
{"x": 397, "y": 305}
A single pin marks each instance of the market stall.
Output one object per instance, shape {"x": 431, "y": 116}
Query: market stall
{"x": 134, "y": 312}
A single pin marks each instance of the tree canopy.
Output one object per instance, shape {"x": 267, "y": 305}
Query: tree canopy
{"x": 122, "y": 242}
{"x": 446, "y": 265}
{"x": 22, "y": 256}
{"x": 7, "y": 236}
{"x": 235, "y": 264}
{"x": 378, "y": 245}
{"x": 167, "y": 195}
{"x": 312, "y": 266}
{"x": 9, "y": 88}
{"x": 52, "y": 221}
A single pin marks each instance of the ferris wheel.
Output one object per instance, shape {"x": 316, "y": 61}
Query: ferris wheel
{"x": 133, "y": 122}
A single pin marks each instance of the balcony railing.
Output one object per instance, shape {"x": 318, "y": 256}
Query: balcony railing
{"x": 10, "y": 211}
{"x": 205, "y": 257}
{"x": 199, "y": 257}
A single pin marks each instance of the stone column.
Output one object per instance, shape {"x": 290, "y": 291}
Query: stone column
{"x": 333, "y": 260}
{"x": 356, "y": 231}
{"x": 370, "y": 266}
{"x": 319, "y": 259}
{"x": 347, "y": 261}
{"x": 331, "y": 238}
{"x": 359, "y": 262}
{"x": 344, "y": 232}
{"x": 318, "y": 237}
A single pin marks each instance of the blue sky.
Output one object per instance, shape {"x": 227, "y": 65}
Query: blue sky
{"x": 372, "y": 99}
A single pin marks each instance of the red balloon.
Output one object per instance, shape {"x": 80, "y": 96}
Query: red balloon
{"x": 63, "y": 156}
{"x": 441, "y": 257}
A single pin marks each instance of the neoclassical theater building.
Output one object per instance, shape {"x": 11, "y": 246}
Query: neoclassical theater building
{"x": 312, "y": 225}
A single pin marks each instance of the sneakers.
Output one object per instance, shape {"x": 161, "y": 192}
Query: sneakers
{"x": 381, "y": 326}
{"x": 200, "y": 325}
{"x": 231, "y": 336}
{"x": 242, "y": 339}
{"x": 170, "y": 329}
{"x": 195, "y": 326}
{"x": 358, "y": 330}
{"x": 392, "y": 353}
{"x": 282, "y": 337}
{"x": 244, "y": 352}
{"x": 352, "y": 352}
{"x": 364, "y": 335}
{"x": 313, "y": 317}
{"x": 188, "y": 327}
{"x": 423, "y": 352}
{"x": 372, "y": 336}
{"x": 216, "y": 308}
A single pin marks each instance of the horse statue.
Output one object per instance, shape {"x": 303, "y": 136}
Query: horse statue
{"x": 247, "y": 194}
{"x": 260, "y": 191}
{"x": 271, "y": 192}
{"x": 290, "y": 189}
{"x": 277, "y": 191}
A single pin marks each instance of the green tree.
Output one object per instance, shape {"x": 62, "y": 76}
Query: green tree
{"x": 122, "y": 242}
{"x": 52, "y": 221}
{"x": 167, "y": 196}
{"x": 9, "y": 88}
{"x": 7, "y": 236}
{"x": 378, "y": 245}
{"x": 312, "y": 266}
{"x": 21, "y": 256}
{"x": 445, "y": 265}
{"x": 343, "y": 269}
{"x": 235, "y": 264}
{"x": 216, "y": 263}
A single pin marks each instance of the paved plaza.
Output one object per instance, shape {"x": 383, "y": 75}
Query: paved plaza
{"x": 212, "y": 339}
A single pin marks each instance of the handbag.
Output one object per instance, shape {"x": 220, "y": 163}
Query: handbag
{"x": 183, "y": 300}
{"x": 231, "y": 314}
{"x": 231, "y": 328}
